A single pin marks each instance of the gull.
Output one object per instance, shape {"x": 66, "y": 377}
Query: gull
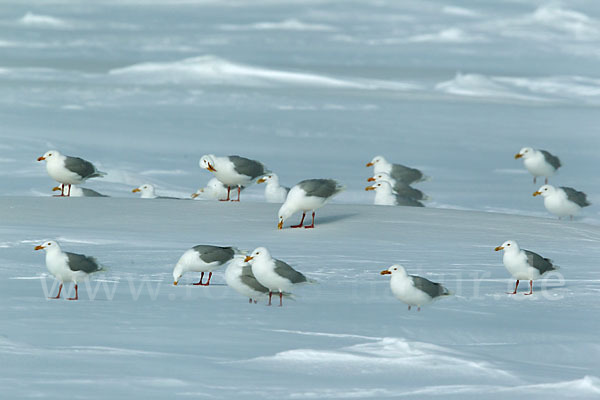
{"x": 147, "y": 191}
{"x": 274, "y": 274}
{"x": 562, "y": 201}
{"x": 397, "y": 171}
{"x": 539, "y": 162}
{"x": 240, "y": 278}
{"x": 412, "y": 289}
{"x": 214, "y": 189}
{"x": 384, "y": 196}
{"x": 69, "y": 170}
{"x": 68, "y": 267}
{"x": 524, "y": 264}
{"x": 307, "y": 195}
{"x": 401, "y": 188}
{"x": 233, "y": 171}
{"x": 202, "y": 258}
{"x": 274, "y": 192}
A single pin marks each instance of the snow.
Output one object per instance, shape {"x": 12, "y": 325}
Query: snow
{"x": 134, "y": 334}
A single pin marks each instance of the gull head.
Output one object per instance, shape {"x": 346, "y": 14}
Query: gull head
{"x": 545, "y": 191}
{"x": 49, "y": 155}
{"x": 208, "y": 162}
{"x": 257, "y": 254}
{"x": 177, "y": 274}
{"x": 147, "y": 190}
{"x": 525, "y": 153}
{"x": 395, "y": 269}
{"x": 48, "y": 246}
{"x": 509, "y": 245}
{"x": 375, "y": 160}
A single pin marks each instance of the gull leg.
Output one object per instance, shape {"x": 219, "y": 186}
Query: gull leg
{"x": 280, "y": 299}
{"x": 534, "y": 179}
{"x": 270, "y": 295}
{"x": 208, "y": 281}
{"x": 239, "y": 190}
{"x": 530, "y": 288}
{"x": 516, "y": 286}
{"x": 58, "y": 295}
{"x": 301, "y": 222}
{"x": 255, "y": 301}
{"x": 546, "y": 181}
{"x": 250, "y": 301}
{"x": 228, "y": 190}
{"x": 69, "y": 195}
{"x": 200, "y": 283}
{"x": 313, "y": 222}
{"x": 419, "y": 308}
{"x": 76, "y": 294}
{"x": 408, "y": 308}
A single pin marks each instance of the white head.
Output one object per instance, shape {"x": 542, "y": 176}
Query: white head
{"x": 376, "y": 160}
{"x": 50, "y": 155}
{"x": 50, "y": 245}
{"x": 525, "y": 153}
{"x": 381, "y": 177}
{"x": 508, "y": 246}
{"x": 208, "y": 162}
{"x": 394, "y": 270}
{"x": 269, "y": 178}
{"x": 146, "y": 190}
{"x": 260, "y": 253}
{"x": 177, "y": 273}
{"x": 545, "y": 191}
{"x": 285, "y": 211}
{"x": 383, "y": 187}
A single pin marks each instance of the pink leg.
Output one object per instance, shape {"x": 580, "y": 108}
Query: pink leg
{"x": 228, "y": 190}
{"x": 270, "y": 295}
{"x": 301, "y": 222}
{"x": 313, "y": 222}
{"x": 208, "y": 281}
{"x": 418, "y": 308}
{"x": 280, "y": 299}
{"x": 58, "y": 295}
{"x": 408, "y": 308}
{"x": 239, "y": 190}
{"x": 69, "y": 195}
{"x": 530, "y": 288}
{"x": 76, "y": 294}
{"x": 546, "y": 181}
{"x": 250, "y": 301}
{"x": 516, "y": 286}
{"x": 534, "y": 179}
{"x": 201, "y": 277}
{"x": 255, "y": 301}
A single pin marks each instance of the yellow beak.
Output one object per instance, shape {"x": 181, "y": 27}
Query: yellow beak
{"x": 261, "y": 180}
{"x": 175, "y": 283}
{"x": 194, "y": 195}
{"x": 39, "y": 247}
{"x": 211, "y": 168}
{"x": 371, "y": 179}
{"x": 248, "y": 258}
{"x": 135, "y": 190}
{"x": 370, "y": 188}
{"x": 385, "y": 272}
{"x": 518, "y": 156}
{"x": 280, "y": 224}
{"x": 55, "y": 188}
{"x": 41, "y": 158}
{"x": 499, "y": 248}
{"x": 369, "y": 164}
{"x": 536, "y": 193}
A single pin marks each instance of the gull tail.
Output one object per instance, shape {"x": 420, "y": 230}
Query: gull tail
{"x": 98, "y": 174}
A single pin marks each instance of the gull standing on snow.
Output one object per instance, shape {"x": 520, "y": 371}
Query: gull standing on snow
{"x": 202, "y": 258}
{"x": 308, "y": 195}
{"x": 147, "y": 191}
{"x": 233, "y": 171}
{"x": 562, "y": 201}
{"x": 401, "y": 188}
{"x": 214, "y": 189}
{"x": 240, "y": 278}
{"x": 524, "y": 264}
{"x": 411, "y": 289}
{"x": 539, "y": 162}
{"x": 78, "y": 192}
{"x": 68, "y": 267}
{"x": 384, "y": 196}
{"x": 69, "y": 170}
{"x": 274, "y": 274}
{"x": 274, "y": 192}
{"x": 397, "y": 171}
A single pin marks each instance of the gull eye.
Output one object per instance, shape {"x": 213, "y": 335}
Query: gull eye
{"x": 508, "y": 244}
{"x": 49, "y": 244}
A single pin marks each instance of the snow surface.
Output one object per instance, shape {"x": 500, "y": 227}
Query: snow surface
{"x": 135, "y": 335}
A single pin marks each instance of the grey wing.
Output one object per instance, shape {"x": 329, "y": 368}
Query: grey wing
{"x": 405, "y": 174}
{"x": 247, "y": 278}
{"x": 550, "y": 159}
{"x": 80, "y": 262}
{"x": 576, "y": 196}
{"x": 245, "y": 166}
{"x": 324, "y": 188}
{"x": 431, "y": 288}
{"x": 81, "y": 167}
{"x": 538, "y": 262}
{"x": 210, "y": 254}
{"x": 408, "y": 202}
{"x": 91, "y": 193}
{"x": 407, "y": 191}
{"x": 284, "y": 270}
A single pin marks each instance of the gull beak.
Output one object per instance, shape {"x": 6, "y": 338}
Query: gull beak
{"x": 175, "y": 283}
{"x": 518, "y": 156}
{"x": 55, "y": 188}
{"x": 135, "y": 190}
{"x": 499, "y": 248}
{"x": 41, "y": 158}
{"x": 261, "y": 180}
{"x": 280, "y": 224}
{"x": 371, "y": 179}
{"x": 248, "y": 258}
{"x": 370, "y": 188}
{"x": 385, "y": 272}
{"x": 211, "y": 168}
{"x": 369, "y": 164}
{"x": 536, "y": 193}
{"x": 194, "y": 195}
{"x": 39, "y": 247}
